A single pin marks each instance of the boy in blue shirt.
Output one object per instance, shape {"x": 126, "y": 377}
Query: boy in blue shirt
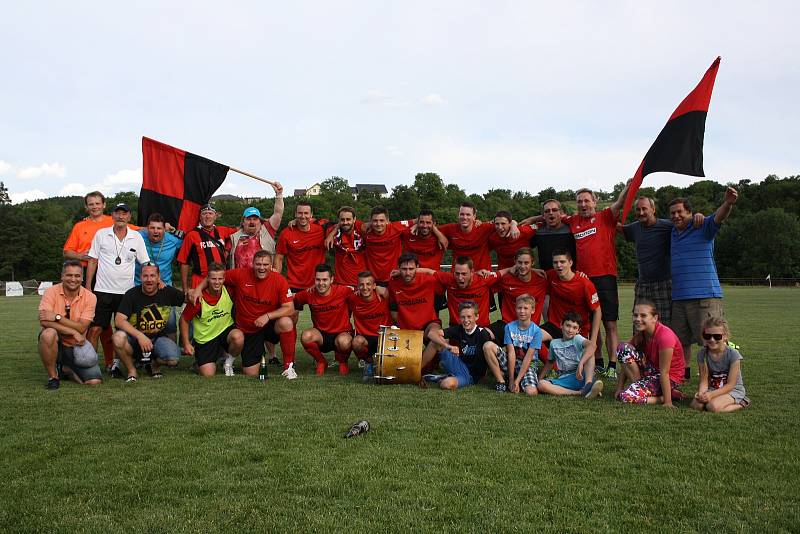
{"x": 574, "y": 355}
{"x": 522, "y": 341}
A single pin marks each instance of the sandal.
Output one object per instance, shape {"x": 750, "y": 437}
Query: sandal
{"x": 131, "y": 378}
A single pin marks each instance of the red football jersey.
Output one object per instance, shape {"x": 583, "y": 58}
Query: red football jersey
{"x": 478, "y": 292}
{"x": 425, "y": 247}
{"x": 369, "y": 315}
{"x": 200, "y": 248}
{"x": 473, "y": 244}
{"x": 510, "y": 287}
{"x": 594, "y": 243}
{"x": 578, "y": 295}
{"x": 348, "y": 258}
{"x": 382, "y": 251}
{"x": 506, "y": 248}
{"x": 415, "y": 309}
{"x": 253, "y": 297}
{"x": 302, "y": 252}
{"x": 329, "y": 312}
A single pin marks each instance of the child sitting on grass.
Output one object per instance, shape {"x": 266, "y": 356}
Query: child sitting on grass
{"x": 522, "y": 341}
{"x": 574, "y": 356}
{"x": 721, "y": 385}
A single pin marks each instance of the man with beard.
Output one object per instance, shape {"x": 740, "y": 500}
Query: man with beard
{"x": 348, "y": 247}
{"x": 302, "y": 247}
{"x": 254, "y": 234}
{"x": 141, "y": 322}
{"x": 331, "y": 330}
{"x": 427, "y": 242}
{"x": 411, "y": 296}
{"x": 551, "y": 233}
{"x": 65, "y": 313}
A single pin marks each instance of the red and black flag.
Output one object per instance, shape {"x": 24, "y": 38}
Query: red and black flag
{"x": 679, "y": 146}
{"x": 176, "y": 184}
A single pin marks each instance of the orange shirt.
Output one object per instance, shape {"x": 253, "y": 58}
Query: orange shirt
{"x": 81, "y": 307}
{"x": 80, "y": 238}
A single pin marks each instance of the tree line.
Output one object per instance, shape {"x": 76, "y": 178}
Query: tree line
{"x": 761, "y": 237}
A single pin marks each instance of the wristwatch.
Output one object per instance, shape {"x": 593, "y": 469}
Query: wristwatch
{"x": 58, "y": 317}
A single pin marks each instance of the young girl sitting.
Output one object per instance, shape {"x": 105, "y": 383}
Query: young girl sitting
{"x": 721, "y": 386}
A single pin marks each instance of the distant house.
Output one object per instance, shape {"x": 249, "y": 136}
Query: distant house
{"x": 378, "y": 189}
{"x": 312, "y": 191}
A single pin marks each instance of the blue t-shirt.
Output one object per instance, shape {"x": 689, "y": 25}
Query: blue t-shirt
{"x": 652, "y": 248}
{"x": 162, "y": 253}
{"x": 567, "y": 353}
{"x": 523, "y": 338}
{"x": 694, "y": 273}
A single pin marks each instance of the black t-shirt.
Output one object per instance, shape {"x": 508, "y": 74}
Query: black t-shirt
{"x": 546, "y": 240}
{"x": 149, "y": 313}
{"x": 471, "y": 347}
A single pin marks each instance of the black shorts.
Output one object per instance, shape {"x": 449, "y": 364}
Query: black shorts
{"x": 440, "y": 302}
{"x": 606, "y": 287}
{"x": 492, "y": 303}
{"x": 253, "y": 348}
{"x": 372, "y": 344}
{"x": 498, "y": 330}
{"x": 329, "y": 341}
{"x": 106, "y": 308}
{"x": 553, "y": 330}
{"x": 213, "y": 350}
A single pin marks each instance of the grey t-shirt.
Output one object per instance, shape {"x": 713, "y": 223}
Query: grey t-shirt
{"x": 718, "y": 371}
{"x": 652, "y": 249}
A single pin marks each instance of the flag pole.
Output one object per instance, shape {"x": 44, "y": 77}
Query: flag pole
{"x": 253, "y": 176}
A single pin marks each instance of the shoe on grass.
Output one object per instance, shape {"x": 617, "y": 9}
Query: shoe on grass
{"x": 274, "y": 361}
{"x": 592, "y": 389}
{"x": 369, "y": 373}
{"x": 116, "y": 372}
{"x": 611, "y": 372}
{"x": 289, "y": 373}
{"x": 53, "y": 383}
{"x": 131, "y": 379}
{"x": 433, "y": 377}
{"x": 500, "y": 387}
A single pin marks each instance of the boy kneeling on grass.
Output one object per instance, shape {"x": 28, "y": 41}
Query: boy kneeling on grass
{"x": 574, "y": 355}
{"x": 464, "y": 361}
{"x": 522, "y": 341}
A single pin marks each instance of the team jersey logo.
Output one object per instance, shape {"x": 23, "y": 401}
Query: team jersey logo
{"x": 585, "y": 233}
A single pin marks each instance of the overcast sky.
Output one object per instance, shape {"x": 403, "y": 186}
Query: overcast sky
{"x": 518, "y": 95}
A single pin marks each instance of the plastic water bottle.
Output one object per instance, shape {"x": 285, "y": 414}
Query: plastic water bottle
{"x": 262, "y": 373}
{"x": 358, "y": 428}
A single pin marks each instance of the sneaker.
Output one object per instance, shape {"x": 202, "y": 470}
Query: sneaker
{"x": 592, "y": 389}
{"x": 228, "y": 368}
{"x": 369, "y": 373}
{"x": 433, "y": 377}
{"x": 289, "y": 373}
{"x": 361, "y": 364}
{"x": 610, "y": 372}
{"x": 500, "y": 387}
{"x": 333, "y": 363}
{"x": 321, "y": 366}
{"x": 131, "y": 379}
{"x": 115, "y": 371}
{"x": 53, "y": 383}
{"x": 274, "y": 361}
{"x": 344, "y": 369}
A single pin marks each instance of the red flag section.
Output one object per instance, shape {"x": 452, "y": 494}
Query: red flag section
{"x": 679, "y": 146}
{"x": 176, "y": 183}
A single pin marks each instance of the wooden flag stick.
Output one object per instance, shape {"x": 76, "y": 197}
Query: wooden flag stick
{"x": 253, "y": 176}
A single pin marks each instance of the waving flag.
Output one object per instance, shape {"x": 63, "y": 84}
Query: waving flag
{"x": 176, "y": 183}
{"x": 679, "y": 146}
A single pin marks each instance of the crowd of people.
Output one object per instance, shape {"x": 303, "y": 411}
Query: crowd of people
{"x": 554, "y": 285}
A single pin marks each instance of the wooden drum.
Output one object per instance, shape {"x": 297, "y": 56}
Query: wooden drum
{"x": 399, "y": 356}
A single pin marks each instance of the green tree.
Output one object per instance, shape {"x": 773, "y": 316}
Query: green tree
{"x": 4, "y": 198}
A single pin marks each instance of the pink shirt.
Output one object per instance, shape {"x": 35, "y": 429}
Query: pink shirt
{"x": 664, "y": 338}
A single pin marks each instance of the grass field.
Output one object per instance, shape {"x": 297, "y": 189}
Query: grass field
{"x": 232, "y": 454}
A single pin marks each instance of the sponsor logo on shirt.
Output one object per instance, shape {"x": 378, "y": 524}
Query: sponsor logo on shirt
{"x": 586, "y": 233}
{"x": 594, "y": 298}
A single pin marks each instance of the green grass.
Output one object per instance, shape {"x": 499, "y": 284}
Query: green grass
{"x": 232, "y": 454}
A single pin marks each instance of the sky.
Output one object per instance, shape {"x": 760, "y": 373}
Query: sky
{"x": 516, "y": 95}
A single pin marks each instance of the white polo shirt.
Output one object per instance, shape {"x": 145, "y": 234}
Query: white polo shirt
{"x": 106, "y": 248}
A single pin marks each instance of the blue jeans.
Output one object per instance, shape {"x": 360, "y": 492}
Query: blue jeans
{"x": 163, "y": 348}
{"x": 455, "y": 367}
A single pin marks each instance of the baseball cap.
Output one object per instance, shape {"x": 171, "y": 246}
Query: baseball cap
{"x": 84, "y": 355}
{"x": 251, "y": 211}
{"x": 208, "y": 207}
{"x": 122, "y": 207}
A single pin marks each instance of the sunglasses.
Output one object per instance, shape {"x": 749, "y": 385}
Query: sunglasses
{"x": 717, "y": 337}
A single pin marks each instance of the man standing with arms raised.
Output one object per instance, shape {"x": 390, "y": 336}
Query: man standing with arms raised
{"x": 696, "y": 293}
{"x": 113, "y": 255}
{"x": 254, "y": 234}
{"x": 594, "y": 233}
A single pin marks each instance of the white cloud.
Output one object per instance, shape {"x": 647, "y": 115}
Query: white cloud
{"x": 33, "y": 194}
{"x": 393, "y": 150}
{"x": 4, "y": 167}
{"x": 433, "y": 99}
{"x": 122, "y": 180}
{"x": 73, "y": 189}
{"x": 55, "y": 170}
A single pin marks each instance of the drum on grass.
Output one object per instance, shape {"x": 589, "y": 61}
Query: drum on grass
{"x": 399, "y": 356}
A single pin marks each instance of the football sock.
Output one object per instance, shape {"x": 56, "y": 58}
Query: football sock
{"x": 288, "y": 340}
{"x": 313, "y": 350}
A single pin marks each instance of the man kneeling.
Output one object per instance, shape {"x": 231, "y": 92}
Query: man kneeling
{"x": 65, "y": 313}
{"x": 574, "y": 356}
{"x": 214, "y": 335}
{"x": 463, "y": 361}
{"x": 141, "y": 322}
